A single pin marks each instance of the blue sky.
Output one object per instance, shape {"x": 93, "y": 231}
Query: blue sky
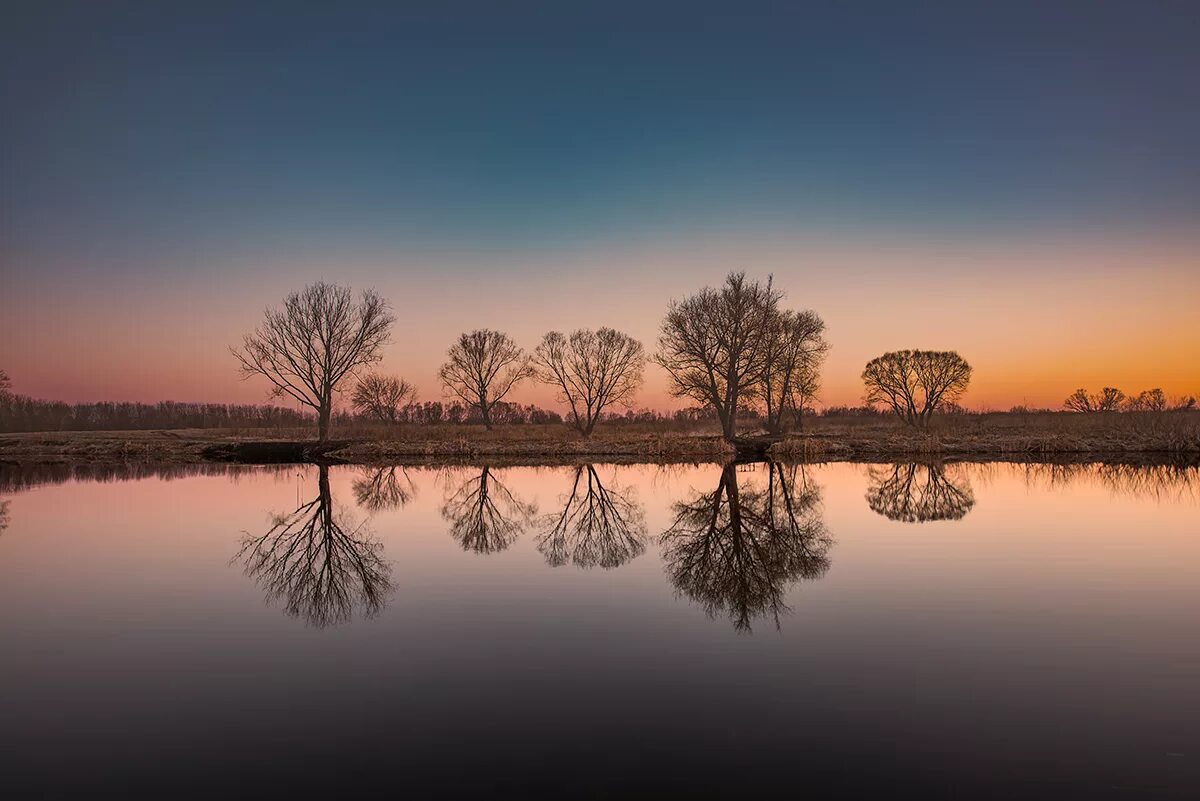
{"x": 143, "y": 129}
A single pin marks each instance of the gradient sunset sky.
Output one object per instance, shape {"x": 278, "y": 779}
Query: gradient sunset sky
{"x": 1016, "y": 181}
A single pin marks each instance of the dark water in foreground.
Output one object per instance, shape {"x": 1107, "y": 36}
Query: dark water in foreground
{"x": 836, "y": 631}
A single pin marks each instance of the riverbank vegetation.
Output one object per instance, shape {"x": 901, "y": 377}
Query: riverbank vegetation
{"x": 850, "y": 434}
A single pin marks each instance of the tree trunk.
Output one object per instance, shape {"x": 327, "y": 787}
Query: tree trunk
{"x": 323, "y": 421}
{"x": 728, "y": 427}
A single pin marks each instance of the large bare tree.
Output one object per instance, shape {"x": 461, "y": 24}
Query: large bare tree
{"x": 482, "y": 367}
{"x": 714, "y": 345}
{"x": 382, "y": 396}
{"x": 916, "y": 383}
{"x": 308, "y": 346}
{"x": 592, "y": 371}
{"x": 791, "y": 374}
{"x": 5, "y": 384}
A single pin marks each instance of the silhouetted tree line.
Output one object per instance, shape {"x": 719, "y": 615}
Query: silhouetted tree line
{"x": 22, "y": 413}
{"x": 1111, "y": 399}
{"x": 733, "y": 350}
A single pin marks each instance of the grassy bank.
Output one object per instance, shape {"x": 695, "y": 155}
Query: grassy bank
{"x": 984, "y": 435}
{"x": 999, "y": 434}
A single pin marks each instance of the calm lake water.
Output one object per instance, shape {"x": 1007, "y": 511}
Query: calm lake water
{"x": 841, "y": 630}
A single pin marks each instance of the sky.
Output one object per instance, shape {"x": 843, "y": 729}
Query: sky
{"x": 1019, "y": 182}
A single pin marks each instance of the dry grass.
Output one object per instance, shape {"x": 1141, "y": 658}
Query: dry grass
{"x": 998, "y": 434}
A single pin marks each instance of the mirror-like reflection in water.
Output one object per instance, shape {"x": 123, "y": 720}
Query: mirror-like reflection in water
{"x": 598, "y": 526}
{"x": 383, "y": 488}
{"x": 484, "y": 515}
{"x": 914, "y": 492}
{"x": 736, "y": 548}
{"x": 698, "y": 630}
{"x": 319, "y": 562}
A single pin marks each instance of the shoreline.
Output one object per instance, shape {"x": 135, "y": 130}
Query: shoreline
{"x": 209, "y": 448}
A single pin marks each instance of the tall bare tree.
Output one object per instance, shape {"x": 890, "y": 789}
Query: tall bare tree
{"x": 592, "y": 371}
{"x": 791, "y": 373}
{"x": 714, "y": 344}
{"x": 308, "y": 346}
{"x": 482, "y": 367}
{"x": 5, "y": 384}
{"x": 382, "y": 396}
{"x": 916, "y": 383}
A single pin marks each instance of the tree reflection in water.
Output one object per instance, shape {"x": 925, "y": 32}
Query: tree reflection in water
{"x": 484, "y": 515}
{"x": 736, "y": 549}
{"x": 918, "y": 492}
{"x": 4, "y": 514}
{"x": 384, "y": 488}
{"x": 319, "y": 563}
{"x": 598, "y": 527}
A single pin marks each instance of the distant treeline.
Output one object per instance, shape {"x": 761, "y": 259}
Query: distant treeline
{"x": 22, "y": 413}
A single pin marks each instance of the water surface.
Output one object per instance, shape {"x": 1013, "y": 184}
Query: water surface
{"x": 768, "y": 631}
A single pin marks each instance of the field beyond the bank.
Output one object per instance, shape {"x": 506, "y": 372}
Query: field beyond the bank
{"x": 823, "y": 438}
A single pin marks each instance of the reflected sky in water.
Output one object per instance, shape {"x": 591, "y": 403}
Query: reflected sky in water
{"x": 957, "y": 630}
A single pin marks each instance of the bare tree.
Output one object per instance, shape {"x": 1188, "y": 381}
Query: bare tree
{"x": 482, "y": 367}
{"x": 309, "y": 345}
{"x": 916, "y": 383}
{"x": 5, "y": 384}
{"x": 792, "y": 368}
{"x": 1150, "y": 400}
{"x": 382, "y": 396}
{"x": 713, "y": 345}
{"x": 1079, "y": 401}
{"x": 1109, "y": 399}
{"x": 592, "y": 370}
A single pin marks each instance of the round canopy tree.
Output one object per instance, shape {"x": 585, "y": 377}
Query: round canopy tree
{"x": 916, "y": 383}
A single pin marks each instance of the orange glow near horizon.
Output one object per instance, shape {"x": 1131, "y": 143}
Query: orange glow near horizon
{"x": 1035, "y": 318}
